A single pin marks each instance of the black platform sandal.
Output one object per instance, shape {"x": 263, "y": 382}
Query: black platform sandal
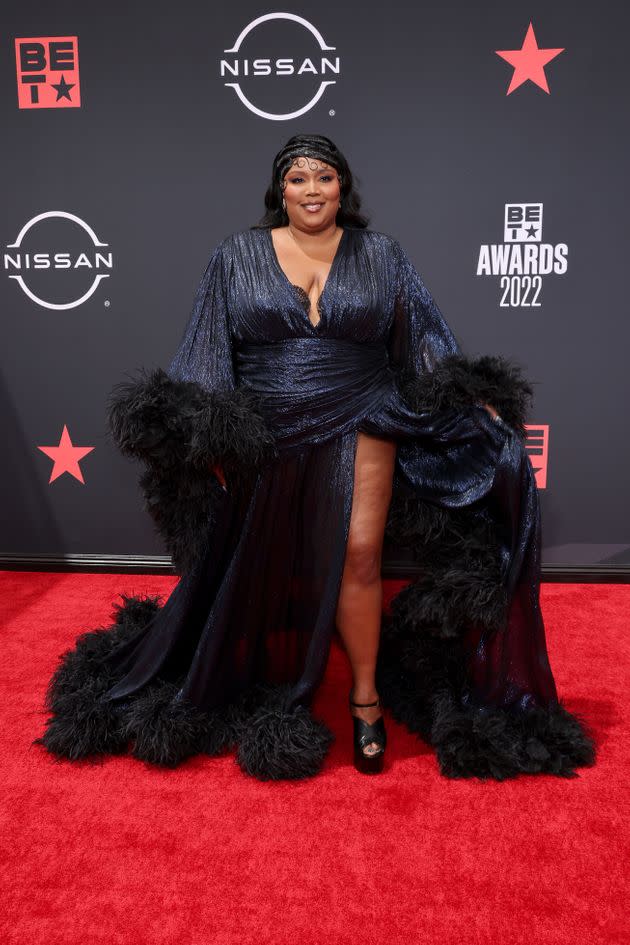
{"x": 364, "y": 734}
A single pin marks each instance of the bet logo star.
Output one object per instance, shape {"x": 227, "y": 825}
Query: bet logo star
{"x": 63, "y": 88}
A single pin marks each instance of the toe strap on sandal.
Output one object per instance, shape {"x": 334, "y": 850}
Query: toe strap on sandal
{"x": 368, "y": 732}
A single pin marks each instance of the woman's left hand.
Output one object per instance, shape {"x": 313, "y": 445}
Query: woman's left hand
{"x": 493, "y": 413}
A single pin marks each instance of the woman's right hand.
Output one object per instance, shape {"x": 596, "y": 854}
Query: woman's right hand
{"x": 218, "y": 471}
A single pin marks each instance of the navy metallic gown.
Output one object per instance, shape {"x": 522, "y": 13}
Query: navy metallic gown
{"x": 234, "y": 656}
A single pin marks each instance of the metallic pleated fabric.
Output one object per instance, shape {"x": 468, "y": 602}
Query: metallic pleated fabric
{"x": 261, "y": 604}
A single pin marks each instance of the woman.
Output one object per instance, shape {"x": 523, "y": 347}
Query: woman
{"x": 318, "y": 399}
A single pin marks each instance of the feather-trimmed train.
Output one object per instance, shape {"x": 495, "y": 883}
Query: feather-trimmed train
{"x": 231, "y": 661}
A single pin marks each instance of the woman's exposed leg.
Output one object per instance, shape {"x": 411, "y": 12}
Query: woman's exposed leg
{"x": 360, "y": 602}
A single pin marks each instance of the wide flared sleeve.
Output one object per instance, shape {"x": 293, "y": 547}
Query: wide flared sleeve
{"x": 419, "y": 334}
{"x": 193, "y": 412}
{"x": 204, "y": 354}
{"x": 434, "y": 372}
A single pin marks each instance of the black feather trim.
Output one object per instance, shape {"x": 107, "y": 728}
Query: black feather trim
{"x": 458, "y": 381}
{"x": 85, "y": 664}
{"x": 180, "y": 431}
{"x": 277, "y": 742}
{"x": 445, "y": 602}
{"x": 169, "y": 422}
{"x": 274, "y": 740}
{"x": 459, "y": 567}
{"x": 499, "y": 743}
{"x": 422, "y": 682}
{"x": 82, "y": 723}
{"x": 183, "y": 504}
{"x": 166, "y": 730}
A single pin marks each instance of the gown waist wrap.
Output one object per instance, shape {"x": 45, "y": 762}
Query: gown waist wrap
{"x": 312, "y": 389}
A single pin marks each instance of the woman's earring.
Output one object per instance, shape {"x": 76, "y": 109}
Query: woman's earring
{"x": 284, "y": 204}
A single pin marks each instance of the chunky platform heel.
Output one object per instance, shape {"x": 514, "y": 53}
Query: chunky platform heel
{"x": 364, "y": 734}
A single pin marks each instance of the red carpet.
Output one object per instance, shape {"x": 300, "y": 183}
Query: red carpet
{"x": 121, "y": 852}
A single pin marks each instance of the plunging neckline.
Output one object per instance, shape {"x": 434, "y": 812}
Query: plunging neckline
{"x": 297, "y": 291}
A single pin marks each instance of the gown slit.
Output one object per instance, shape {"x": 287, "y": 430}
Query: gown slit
{"x": 232, "y": 659}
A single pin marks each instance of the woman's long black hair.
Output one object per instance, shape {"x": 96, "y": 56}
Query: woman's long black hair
{"x": 322, "y": 148}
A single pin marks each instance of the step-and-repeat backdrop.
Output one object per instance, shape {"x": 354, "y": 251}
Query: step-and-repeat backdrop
{"x": 489, "y": 139}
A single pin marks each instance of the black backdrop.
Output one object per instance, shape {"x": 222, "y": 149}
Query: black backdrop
{"x": 138, "y": 151}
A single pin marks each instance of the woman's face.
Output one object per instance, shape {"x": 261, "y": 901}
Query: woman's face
{"x": 312, "y": 193}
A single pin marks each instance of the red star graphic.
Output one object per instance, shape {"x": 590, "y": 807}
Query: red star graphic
{"x": 529, "y": 62}
{"x": 66, "y": 457}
